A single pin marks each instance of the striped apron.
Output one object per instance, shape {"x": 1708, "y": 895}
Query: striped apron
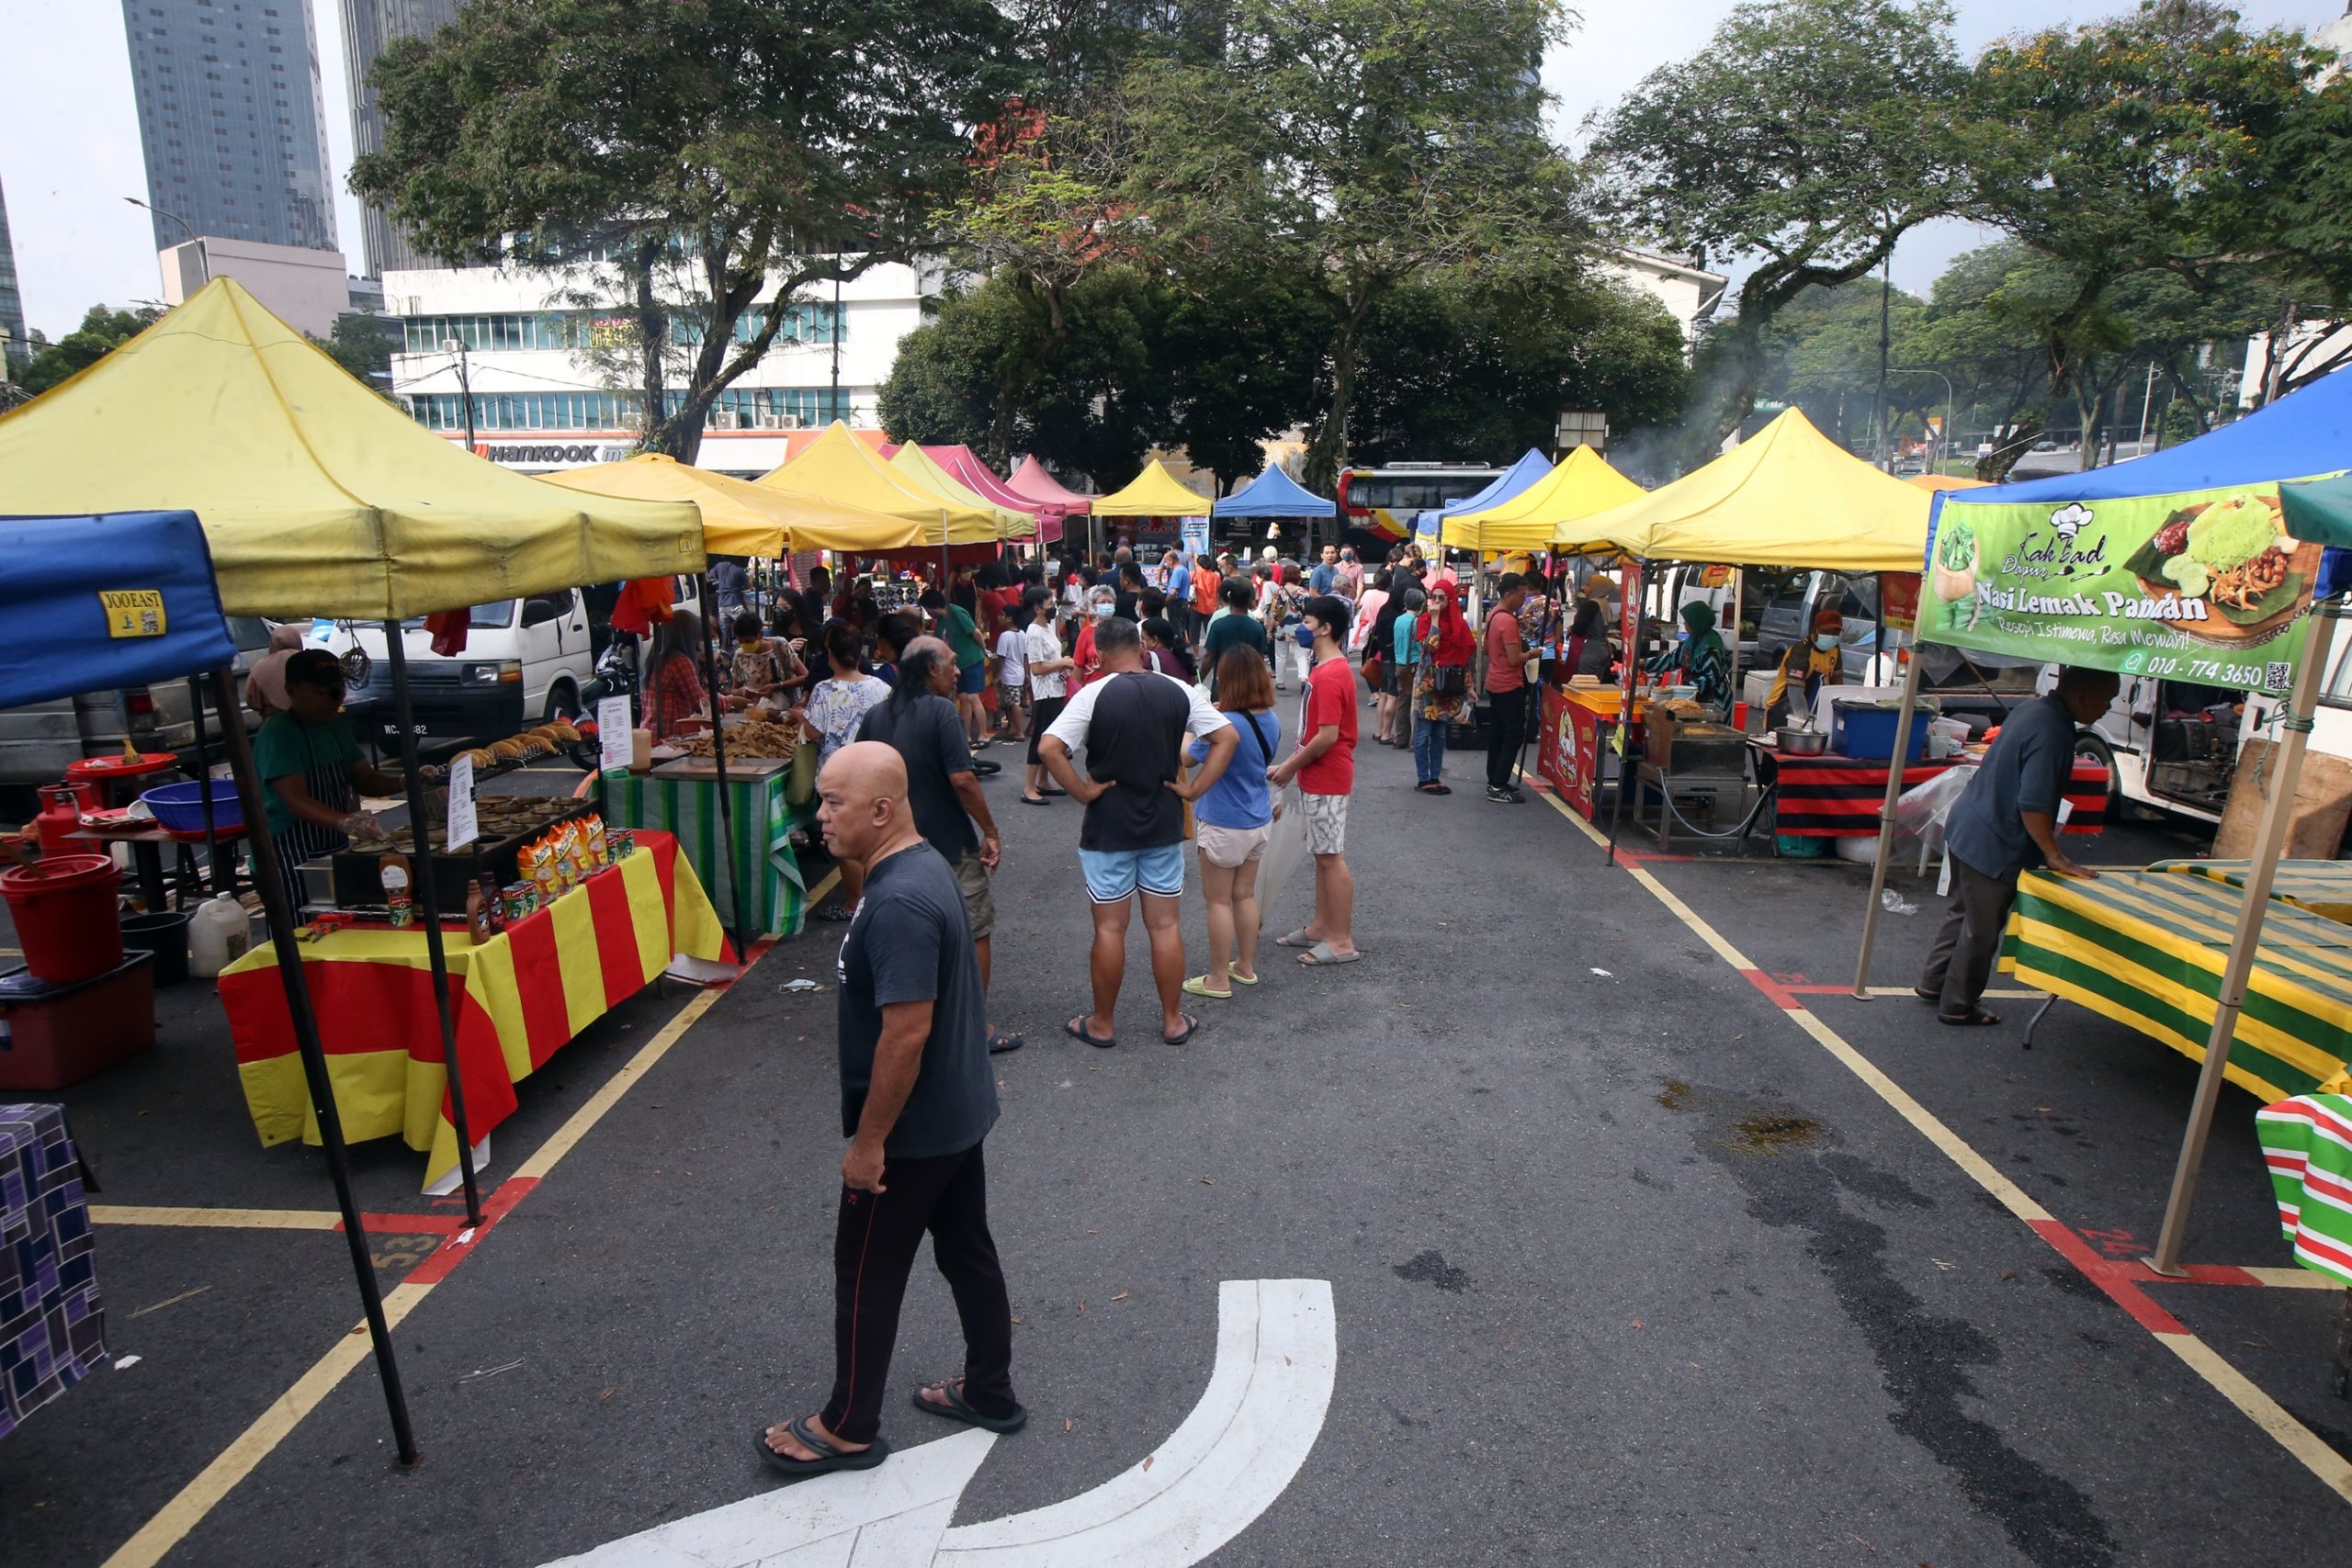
{"x": 329, "y": 783}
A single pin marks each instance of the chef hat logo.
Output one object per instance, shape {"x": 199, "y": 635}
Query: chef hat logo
{"x": 2069, "y": 519}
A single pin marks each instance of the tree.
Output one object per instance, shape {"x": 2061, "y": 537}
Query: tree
{"x": 1806, "y": 139}
{"x": 2165, "y": 141}
{"x": 708, "y": 158}
{"x": 1241, "y": 359}
{"x": 1479, "y": 369}
{"x": 1822, "y": 354}
{"x": 362, "y": 344}
{"x": 1351, "y": 146}
{"x": 104, "y": 329}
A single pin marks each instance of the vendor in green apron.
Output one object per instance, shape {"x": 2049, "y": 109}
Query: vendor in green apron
{"x": 311, "y": 771}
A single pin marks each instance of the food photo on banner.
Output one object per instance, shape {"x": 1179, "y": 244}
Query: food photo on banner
{"x": 2205, "y": 587}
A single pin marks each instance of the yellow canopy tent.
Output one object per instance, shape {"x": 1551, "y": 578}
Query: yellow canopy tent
{"x": 1154, "y": 493}
{"x": 1933, "y": 482}
{"x": 318, "y": 497}
{"x": 916, "y": 466}
{"x": 740, "y": 518}
{"x": 839, "y": 468}
{"x": 1582, "y": 484}
{"x": 1786, "y": 496}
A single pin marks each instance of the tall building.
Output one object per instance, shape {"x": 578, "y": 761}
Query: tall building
{"x": 12, "y": 304}
{"x": 231, "y": 119}
{"x": 367, "y": 27}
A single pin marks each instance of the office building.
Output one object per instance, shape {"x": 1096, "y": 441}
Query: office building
{"x": 367, "y": 27}
{"x": 13, "y": 342}
{"x": 232, "y": 120}
{"x": 306, "y": 289}
{"x": 552, "y": 379}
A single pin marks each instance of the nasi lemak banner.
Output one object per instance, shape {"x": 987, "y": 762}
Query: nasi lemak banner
{"x": 2203, "y": 586}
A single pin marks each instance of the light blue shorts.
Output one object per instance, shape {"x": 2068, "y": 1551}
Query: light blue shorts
{"x": 1114, "y": 875}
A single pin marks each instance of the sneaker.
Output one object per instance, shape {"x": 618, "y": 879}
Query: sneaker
{"x": 1500, "y": 797}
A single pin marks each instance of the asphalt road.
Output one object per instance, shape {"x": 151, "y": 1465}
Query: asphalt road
{"x": 1627, "y": 1267}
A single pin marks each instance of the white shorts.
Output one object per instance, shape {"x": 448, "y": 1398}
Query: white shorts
{"x": 1327, "y": 823}
{"x": 1230, "y": 849}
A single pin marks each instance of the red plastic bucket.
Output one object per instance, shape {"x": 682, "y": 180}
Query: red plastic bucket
{"x": 63, "y": 910}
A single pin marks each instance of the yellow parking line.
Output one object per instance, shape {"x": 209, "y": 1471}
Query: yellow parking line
{"x": 160, "y": 1534}
{"x": 2266, "y": 1413}
{"x": 218, "y": 1219}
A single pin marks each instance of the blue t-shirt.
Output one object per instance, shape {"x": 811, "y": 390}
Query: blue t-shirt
{"x": 1241, "y": 797}
{"x": 1321, "y": 578}
{"x": 1179, "y": 586}
{"x": 1407, "y": 651}
{"x": 2027, "y": 770}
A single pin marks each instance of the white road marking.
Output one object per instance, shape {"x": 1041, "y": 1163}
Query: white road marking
{"x": 1277, "y": 1361}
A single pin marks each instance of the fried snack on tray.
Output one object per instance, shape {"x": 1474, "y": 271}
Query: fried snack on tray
{"x": 1681, "y": 708}
{"x": 756, "y": 738}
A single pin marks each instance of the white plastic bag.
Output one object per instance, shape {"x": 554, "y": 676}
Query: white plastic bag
{"x": 1286, "y": 846}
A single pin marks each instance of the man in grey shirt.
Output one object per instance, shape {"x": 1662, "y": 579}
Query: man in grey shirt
{"x": 2007, "y": 823}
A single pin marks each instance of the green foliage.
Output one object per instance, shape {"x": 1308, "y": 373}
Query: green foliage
{"x": 714, "y": 157}
{"x": 1352, "y": 146}
{"x": 1822, "y": 354}
{"x": 104, "y": 329}
{"x": 363, "y": 346}
{"x": 1805, "y": 140}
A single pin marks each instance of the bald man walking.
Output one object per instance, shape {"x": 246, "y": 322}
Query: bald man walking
{"x": 917, "y": 1099}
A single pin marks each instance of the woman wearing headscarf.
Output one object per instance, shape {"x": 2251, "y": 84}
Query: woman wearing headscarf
{"x": 1699, "y": 658}
{"x": 1807, "y": 665}
{"x": 266, "y": 682}
{"x": 1443, "y": 687}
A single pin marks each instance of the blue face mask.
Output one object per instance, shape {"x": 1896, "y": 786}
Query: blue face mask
{"x": 1825, "y": 641}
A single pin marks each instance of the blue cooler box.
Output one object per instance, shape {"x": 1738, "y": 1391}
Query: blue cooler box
{"x": 1865, "y": 731}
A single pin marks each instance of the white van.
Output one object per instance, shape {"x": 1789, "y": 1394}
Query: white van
{"x": 526, "y": 662}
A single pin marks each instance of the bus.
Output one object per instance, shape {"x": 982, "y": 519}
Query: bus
{"x": 1377, "y": 505}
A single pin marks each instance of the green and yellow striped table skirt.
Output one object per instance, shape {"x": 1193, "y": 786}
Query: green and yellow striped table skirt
{"x": 2147, "y": 949}
{"x": 2323, "y": 886}
{"x": 763, "y": 862}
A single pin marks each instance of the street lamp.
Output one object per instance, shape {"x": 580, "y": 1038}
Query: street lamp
{"x": 1944, "y": 446}
{"x": 203, "y": 262}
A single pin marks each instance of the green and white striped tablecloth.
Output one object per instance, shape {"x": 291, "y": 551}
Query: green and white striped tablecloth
{"x": 763, "y": 861}
{"x": 2307, "y": 1144}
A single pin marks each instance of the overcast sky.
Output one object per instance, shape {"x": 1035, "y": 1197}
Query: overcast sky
{"x": 69, "y": 142}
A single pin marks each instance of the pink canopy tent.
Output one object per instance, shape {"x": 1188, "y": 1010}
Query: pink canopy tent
{"x": 977, "y": 477}
{"x": 1031, "y": 482}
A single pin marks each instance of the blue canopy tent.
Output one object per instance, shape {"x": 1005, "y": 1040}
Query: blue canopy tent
{"x": 1531, "y": 466}
{"x": 2304, "y": 435}
{"x": 1273, "y": 494}
{"x": 128, "y": 598}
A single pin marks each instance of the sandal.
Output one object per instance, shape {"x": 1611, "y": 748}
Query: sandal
{"x": 1296, "y": 938}
{"x": 953, "y": 1404}
{"x": 1974, "y": 1017}
{"x": 1076, "y": 1029}
{"x": 1198, "y": 986}
{"x": 1322, "y": 954}
{"x": 1192, "y": 1027}
{"x": 1000, "y": 1043}
{"x": 1034, "y": 800}
{"x": 834, "y": 912}
{"x": 1933, "y": 999}
{"x": 829, "y": 1457}
{"x": 1241, "y": 979}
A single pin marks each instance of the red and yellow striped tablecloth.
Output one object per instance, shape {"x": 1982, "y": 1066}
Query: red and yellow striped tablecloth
{"x": 515, "y": 999}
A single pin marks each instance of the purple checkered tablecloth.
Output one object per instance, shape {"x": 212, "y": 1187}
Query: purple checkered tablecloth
{"x": 52, "y": 1329}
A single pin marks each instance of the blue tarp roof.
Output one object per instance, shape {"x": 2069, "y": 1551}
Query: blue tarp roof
{"x": 1272, "y": 495}
{"x": 1533, "y": 465}
{"x": 80, "y": 598}
{"x": 2303, "y": 434}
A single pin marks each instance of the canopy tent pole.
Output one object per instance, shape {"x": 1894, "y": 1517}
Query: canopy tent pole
{"x": 428, "y": 910}
{"x": 1629, "y": 627}
{"x": 1739, "y": 609}
{"x": 2244, "y": 941}
{"x": 204, "y": 780}
{"x": 737, "y": 897}
{"x": 1886, "y": 822}
{"x": 278, "y": 911}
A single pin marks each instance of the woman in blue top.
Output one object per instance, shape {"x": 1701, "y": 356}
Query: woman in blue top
{"x": 1232, "y": 821}
{"x": 1399, "y": 679}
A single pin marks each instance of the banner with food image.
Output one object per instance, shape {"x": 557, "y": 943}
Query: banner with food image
{"x": 2204, "y": 586}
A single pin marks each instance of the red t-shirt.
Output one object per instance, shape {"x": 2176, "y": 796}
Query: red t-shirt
{"x": 1502, "y": 629}
{"x": 1330, "y": 699}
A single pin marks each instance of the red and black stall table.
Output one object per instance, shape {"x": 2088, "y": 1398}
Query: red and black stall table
{"x": 1834, "y": 796}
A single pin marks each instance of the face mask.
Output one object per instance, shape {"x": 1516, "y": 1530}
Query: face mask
{"x": 1825, "y": 641}
{"x": 1102, "y": 612}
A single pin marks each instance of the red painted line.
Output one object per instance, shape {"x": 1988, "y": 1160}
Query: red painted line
{"x": 410, "y": 1225}
{"x": 1778, "y": 993}
{"x": 495, "y": 1207}
{"x": 2120, "y": 1280}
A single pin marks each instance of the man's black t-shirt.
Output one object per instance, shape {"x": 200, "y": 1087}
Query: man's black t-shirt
{"x": 910, "y": 943}
{"x": 930, "y": 738}
{"x": 1132, "y": 726}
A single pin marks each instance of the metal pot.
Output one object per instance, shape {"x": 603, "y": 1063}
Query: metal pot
{"x": 1801, "y": 742}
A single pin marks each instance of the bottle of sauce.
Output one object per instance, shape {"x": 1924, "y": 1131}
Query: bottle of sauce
{"x": 479, "y": 929}
{"x": 399, "y": 896}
